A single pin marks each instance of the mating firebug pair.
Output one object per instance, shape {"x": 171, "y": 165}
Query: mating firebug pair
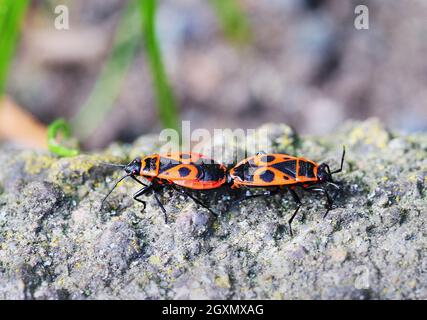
{"x": 182, "y": 171}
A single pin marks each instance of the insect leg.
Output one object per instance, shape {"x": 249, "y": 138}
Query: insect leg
{"x": 141, "y": 192}
{"x": 264, "y": 194}
{"x": 246, "y": 197}
{"x": 329, "y": 201}
{"x": 161, "y": 207}
{"x": 146, "y": 189}
{"x": 196, "y": 200}
{"x": 298, "y": 201}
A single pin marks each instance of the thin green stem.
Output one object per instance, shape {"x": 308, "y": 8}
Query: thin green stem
{"x": 60, "y": 126}
{"x": 109, "y": 84}
{"x": 168, "y": 111}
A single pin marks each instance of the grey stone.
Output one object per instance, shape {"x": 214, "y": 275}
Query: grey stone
{"x": 57, "y": 243}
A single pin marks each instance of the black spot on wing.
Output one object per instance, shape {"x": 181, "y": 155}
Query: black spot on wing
{"x": 287, "y": 167}
{"x": 267, "y": 176}
{"x": 183, "y": 172}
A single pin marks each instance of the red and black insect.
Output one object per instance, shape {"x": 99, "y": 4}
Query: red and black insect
{"x": 179, "y": 170}
{"x": 276, "y": 171}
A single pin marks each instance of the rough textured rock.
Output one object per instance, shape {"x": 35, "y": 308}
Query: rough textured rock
{"x": 55, "y": 243}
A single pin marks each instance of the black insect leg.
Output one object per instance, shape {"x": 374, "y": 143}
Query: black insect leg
{"x": 251, "y": 196}
{"x": 161, "y": 207}
{"x": 147, "y": 188}
{"x": 298, "y": 201}
{"x": 196, "y": 200}
{"x": 141, "y": 192}
{"x": 329, "y": 201}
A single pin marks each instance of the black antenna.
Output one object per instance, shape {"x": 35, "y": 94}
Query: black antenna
{"x": 105, "y": 198}
{"x": 113, "y": 164}
{"x": 342, "y": 161}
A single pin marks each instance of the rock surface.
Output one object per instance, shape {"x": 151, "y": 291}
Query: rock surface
{"x": 55, "y": 243}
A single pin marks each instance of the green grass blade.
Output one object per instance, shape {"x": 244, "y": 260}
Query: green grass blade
{"x": 233, "y": 20}
{"x": 11, "y": 15}
{"x": 109, "y": 83}
{"x": 168, "y": 111}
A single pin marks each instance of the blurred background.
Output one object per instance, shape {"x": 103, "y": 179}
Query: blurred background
{"x": 219, "y": 64}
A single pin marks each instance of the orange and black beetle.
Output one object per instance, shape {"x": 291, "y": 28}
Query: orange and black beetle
{"x": 276, "y": 171}
{"x": 188, "y": 170}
